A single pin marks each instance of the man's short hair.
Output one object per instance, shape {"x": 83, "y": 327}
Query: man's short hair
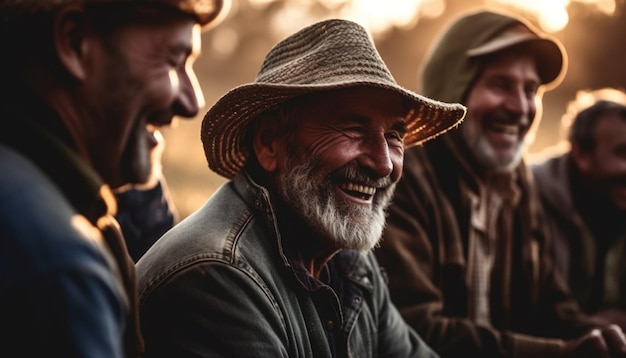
{"x": 581, "y": 117}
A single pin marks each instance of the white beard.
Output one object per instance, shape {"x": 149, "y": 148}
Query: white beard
{"x": 346, "y": 226}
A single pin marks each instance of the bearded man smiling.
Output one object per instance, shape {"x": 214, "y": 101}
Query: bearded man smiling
{"x": 278, "y": 262}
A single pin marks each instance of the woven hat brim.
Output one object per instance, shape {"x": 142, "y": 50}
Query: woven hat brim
{"x": 224, "y": 125}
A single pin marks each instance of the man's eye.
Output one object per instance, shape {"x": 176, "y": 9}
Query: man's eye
{"x": 502, "y": 86}
{"x": 354, "y": 130}
{"x": 178, "y": 61}
{"x": 397, "y": 136}
{"x": 531, "y": 91}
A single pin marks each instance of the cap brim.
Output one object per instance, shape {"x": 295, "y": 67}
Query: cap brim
{"x": 224, "y": 125}
{"x": 548, "y": 54}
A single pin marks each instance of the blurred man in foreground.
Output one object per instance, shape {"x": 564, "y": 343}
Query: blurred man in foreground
{"x": 89, "y": 85}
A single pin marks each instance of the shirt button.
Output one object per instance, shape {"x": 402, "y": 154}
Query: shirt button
{"x": 357, "y": 300}
{"x": 330, "y": 325}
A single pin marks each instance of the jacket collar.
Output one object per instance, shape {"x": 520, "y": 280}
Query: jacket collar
{"x": 39, "y": 134}
{"x": 345, "y": 263}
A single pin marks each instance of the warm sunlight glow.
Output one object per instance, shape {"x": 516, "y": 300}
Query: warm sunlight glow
{"x": 225, "y": 41}
{"x": 552, "y": 14}
{"x": 586, "y": 98}
{"x": 377, "y": 16}
{"x": 259, "y": 4}
{"x": 381, "y": 16}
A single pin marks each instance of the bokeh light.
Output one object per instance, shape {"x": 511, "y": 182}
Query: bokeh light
{"x": 232, "y": 52}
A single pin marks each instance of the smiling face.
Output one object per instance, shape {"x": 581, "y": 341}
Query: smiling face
{"x": 501, "y": 107}
{"x": 604, "y": 166}
{"x": 339, "y": 168}
{"x": 138, "y": 80}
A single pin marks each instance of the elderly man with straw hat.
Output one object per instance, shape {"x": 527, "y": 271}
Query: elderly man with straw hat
{"x": 278, "y": 262}
{"x": 88, "y": 84}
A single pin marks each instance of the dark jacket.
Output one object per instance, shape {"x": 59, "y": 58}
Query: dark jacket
{"x": 222, "y": 283}
{"x": 424, "y": 251}
{"x": 66, "y": 282}
{"x": 576, "y": 247}
{"x": 144, "y": 215}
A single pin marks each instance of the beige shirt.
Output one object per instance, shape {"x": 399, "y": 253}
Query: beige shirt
{"x": 499, "y": 194}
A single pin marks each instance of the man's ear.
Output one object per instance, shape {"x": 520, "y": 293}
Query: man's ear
{"x": 69, "y": 39}
{"x": 581, "y": 158}
{"x": 266, "y": 146}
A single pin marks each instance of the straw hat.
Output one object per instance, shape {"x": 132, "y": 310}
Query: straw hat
{"x": 208, "y": 12}
{"x": 328, "y": 55}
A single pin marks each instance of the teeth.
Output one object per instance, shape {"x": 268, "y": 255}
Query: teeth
{"x": 506, "y": 129}
{"x": 367, "y": 190}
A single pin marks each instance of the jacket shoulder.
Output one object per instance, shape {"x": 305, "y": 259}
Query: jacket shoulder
{"x": 41, "y": 229}
{"x": 213, "y": 233}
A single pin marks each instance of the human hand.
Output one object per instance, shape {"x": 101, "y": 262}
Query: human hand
{"x": 606, "y": 342}
{"x": 613, "y": 315}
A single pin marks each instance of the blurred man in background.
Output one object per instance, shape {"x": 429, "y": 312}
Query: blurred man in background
{"x": 583, "y": 191}
{"x": 465, "y": 248}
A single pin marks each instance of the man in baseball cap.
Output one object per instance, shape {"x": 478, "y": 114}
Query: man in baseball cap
{"x": 88, "y": 85}
{"x": 465, "y": 248}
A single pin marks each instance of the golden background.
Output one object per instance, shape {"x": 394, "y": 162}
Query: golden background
{"x": 592, "y": 31}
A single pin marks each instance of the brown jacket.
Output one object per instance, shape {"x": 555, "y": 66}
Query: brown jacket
{"x": 424, "y": 251}
{"x": 435, "y": 219}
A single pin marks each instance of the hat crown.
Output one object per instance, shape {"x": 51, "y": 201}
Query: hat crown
{"x": 327, "y": 52}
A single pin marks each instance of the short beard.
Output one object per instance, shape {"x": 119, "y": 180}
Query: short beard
{"x": 486, "y": 157}
{"x": 344, "y": 225}
{"x": 484, "y": 153}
